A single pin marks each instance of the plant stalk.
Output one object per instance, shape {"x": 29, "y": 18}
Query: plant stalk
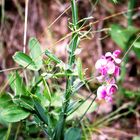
{"x": 59, "y": 131}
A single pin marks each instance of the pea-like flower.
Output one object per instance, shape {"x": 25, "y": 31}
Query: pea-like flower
{"x": 101, "y": 92}
{"x": 108, "y": 69}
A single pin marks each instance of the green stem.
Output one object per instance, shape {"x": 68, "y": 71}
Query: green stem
{"x": 131, "y": 5}
{"x": 59, "y": 131}
{"x": 17, "y": 132}
{"x": 8, "y": 132}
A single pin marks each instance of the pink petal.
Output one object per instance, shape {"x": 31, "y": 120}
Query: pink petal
{"x": 100, "y": 63}
{"x": 110, "y": 67}
{"x": 116, "y": 53}
{"x": 108, "y": 99}
{"x": 108, "y": 54}
{"x": 101, "y": 92}
{"x": 117, "y": 60}
{"x": 111, "y": 89}
{"x": 117, "y": 71}
{"x": 100, "y": 78}
{"x": 114, "y": 56}
{"x": 103, "y": 71}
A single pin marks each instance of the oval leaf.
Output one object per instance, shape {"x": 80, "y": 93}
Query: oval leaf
{"x": 24, "y": 60}
{"x": 52, "y": 57}
{"x": 9, "y": 111}
{"x": 35, "y": 52}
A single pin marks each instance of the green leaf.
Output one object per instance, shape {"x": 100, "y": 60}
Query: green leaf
{"x": 24, "y": 102}
{"x": 52, "y": 57}
{"x": 80, "y": 71}
{"x": 16, "y": 84}
{"x": 3, "y": 132}
{"x": 47, "y": 92}
{"x": 129, "y": 94}
{"x": 136, "y": 138}
{"x": 121, "y": 35}
{"x": 11, "y": 112}
{"x": 137, "y": 44}
{"x": 115, "y": 1}
{"x": 73, "y": 134}
{"x": 35, "y": 52}
{"x": 14, "y": 113}
{"x": 3, "y": 122}
{"x": 136, "y": 49}
{"x": 24, "y": 60}
{"x": 32, "y": 62}
{"x": 40, "y": 111}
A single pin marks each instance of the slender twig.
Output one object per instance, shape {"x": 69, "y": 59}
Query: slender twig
{"x": 10, "y": 69}
{"x": 93, "y": 23}
{"x": 17, "y": 131}
{"x": 112, "y": 114}
{"x": 87, "y": 110}
{"x": 80, "y": 104}
{"x": 60, "y": 16}
{"x": 25, "y": 26}
{"x": 2, "y": 13}
{"x": 25, "y": 35}
{"x": 131, "y": 46}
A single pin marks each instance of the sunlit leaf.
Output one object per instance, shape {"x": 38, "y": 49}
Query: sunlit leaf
{"x": 16, "y": 83}
{"x": 24, "y": 60}
{"x": 122, "y": 35}
{"x": 47, "y": 92}
{"x": 35, "y": 52}
{"x": 80, "y": 71}
{"x": 52, "y": 57}
{"x": 10, "y": 111}
{"x": 73, "y": 134}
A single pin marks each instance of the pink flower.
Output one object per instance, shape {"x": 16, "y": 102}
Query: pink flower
{"x": 111, "y": 57}
{"x": 108, "y": 69}
{"x": 108, "y": 99}
{"x": 105, "y": 66}
{"x": 100, "y": 63}
{"x": 101, "y": 92}
{"x": 111, "y": 89}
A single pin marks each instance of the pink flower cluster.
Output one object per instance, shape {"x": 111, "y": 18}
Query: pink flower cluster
{"x": 109, "y": 70}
